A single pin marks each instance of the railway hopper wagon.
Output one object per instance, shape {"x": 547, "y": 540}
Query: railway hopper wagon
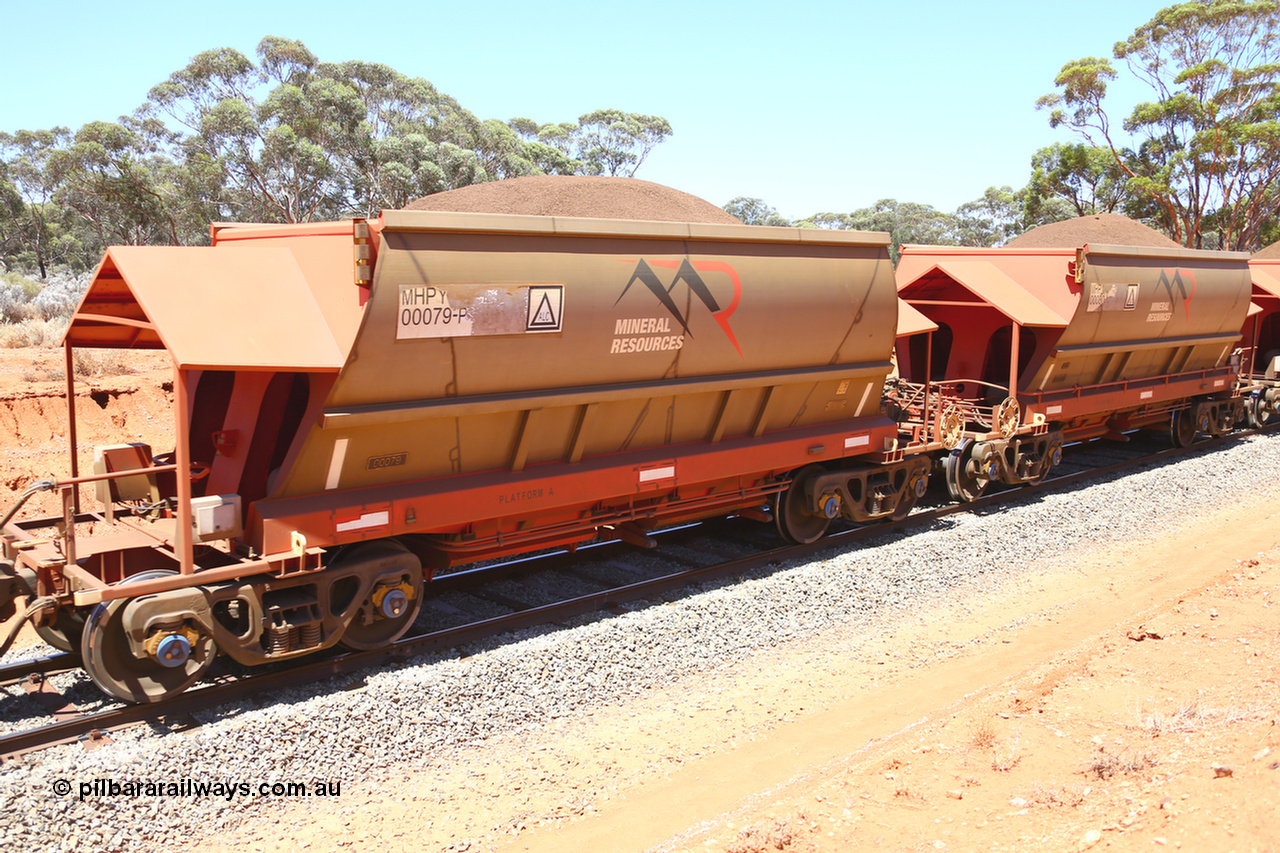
{"x": 1035, "y": 347}
{"x": 363, "y": 403}
{"x": 1261, "y": 344}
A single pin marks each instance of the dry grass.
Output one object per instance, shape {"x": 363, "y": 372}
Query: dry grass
{"x": 105, "y": 362}
{"x": 1005, "y": 760}
{"x": 1057, "y": 797}
{"x": 776, "y": 834}
{"x": 982, "y": 734}
{"x": 1191, "y": 716}
{"x": 43, "y": 334}
{"x": 1105, "y": 764}
{"x": 902, "y": 792}
{"x": 43, "y": 374}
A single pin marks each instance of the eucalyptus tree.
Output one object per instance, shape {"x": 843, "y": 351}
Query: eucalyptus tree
{"x": 602, "y": 142}
{"x": 613, "y": 142}
{"x": 1085, "y": 177}
{"x": 754, "y": 211}
{"x": 992, "y": 220}
{"x": 413, "y": 140}
{"x": 36, "y": 231}
{"x": 279, "y": 156}
{"x": 1205, "y": 150}
{"x": 282, "y": 137}
{"x": 906, "y": 222}
{"x": 12, "y": 209}
{"x": 295, "y": 139}
{"x": 117, "y": 179}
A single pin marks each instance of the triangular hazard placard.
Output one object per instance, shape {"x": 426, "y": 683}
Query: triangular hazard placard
{"x": 545, "y": 303}
{"x": 543, "y": 316}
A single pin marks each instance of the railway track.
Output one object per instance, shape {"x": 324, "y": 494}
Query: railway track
{"x": 479, "y": 603}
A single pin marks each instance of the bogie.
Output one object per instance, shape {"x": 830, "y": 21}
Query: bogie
{"x": 142, "y": 667}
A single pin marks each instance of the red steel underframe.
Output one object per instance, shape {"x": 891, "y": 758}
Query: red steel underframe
{"x": 544, "y": 504}
{"x": 1116, "y": 397}
{"x": 560, "y": 504}
{"x": 575, "y": 499}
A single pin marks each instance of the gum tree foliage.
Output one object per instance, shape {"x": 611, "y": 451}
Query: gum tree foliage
{"x": 754, "y": 211}
{"x": 603, "y": 142}
{"x": 116, "y": 178}
{"x": 12, "y": 209}
{"x": 1001, "y": 214}
{"x": 615, "y": 143}
{"x": 1085, "y": 178}
{"x": 549, "y": 146}
{"x": 278, "y": 155}
{"x": 993, "y": 220}
{"x": 75, "y": 193}
{"x": 294, "y": 139}
{"x": 283, "y": 137}
{"x": 1205, "y": 151}
{"x": 35, "y": 231}
{"x": 906, "y": 222}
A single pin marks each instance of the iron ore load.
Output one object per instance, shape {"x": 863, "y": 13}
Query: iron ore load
{"x": 361, "y": 404}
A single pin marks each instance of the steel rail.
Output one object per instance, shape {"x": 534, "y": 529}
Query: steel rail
{"x": 264, "y": 683}
{"x": 45, "y": 665}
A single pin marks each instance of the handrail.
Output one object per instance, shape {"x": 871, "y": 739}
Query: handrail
{"x": 37, "y": 486}
{"x": 113, "y": 475}
{"x": 67, "y": 487}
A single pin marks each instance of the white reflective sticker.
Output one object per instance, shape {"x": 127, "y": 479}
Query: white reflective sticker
{"x": 369, "y": 519}
{"x": 650, "y": 474}
{"x": 1053, "y": 410}
{"x": 1219, "y": 383}
{"x": 1146, "y": 395}
{"x": 863, "y": 401}
{"x": 335, "y": 463}
{"x": 1047, "y": 374}
{"x": 857, "y": 441}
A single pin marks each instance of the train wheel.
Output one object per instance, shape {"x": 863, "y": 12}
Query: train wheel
{"x": 118, "y": 672}
{"x": 1256, "y": 417}
{"x": 964, "y": 484}
{"x": 791, "y": 513}
{"x": 65, "y": 632}
{"x": 914, "y": 492}
{"x": 1053, "y": 459}
{"x": 390, "y": 608}
{"x": 1182, "y": 428}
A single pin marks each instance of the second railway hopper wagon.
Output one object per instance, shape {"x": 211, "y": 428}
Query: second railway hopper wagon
{"x": 361, "y": 403}
{"x": 1035, "y": 347}
{"x": 1261, "y": 344}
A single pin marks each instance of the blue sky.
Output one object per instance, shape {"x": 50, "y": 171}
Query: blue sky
{"x": 812, "y": 106}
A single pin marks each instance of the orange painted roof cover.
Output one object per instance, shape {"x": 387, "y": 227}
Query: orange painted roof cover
{"x": 1029, "y": 288}
{"x": 251, "y": 308}
{"x": 1266, "y": 280}
{"x": 912, "y": 322}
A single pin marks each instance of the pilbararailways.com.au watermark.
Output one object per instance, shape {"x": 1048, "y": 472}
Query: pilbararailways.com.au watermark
{"x": 226, "y": 789}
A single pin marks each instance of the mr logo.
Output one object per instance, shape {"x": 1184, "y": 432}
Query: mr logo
{"x": 1179, "y": 281}
{"x": 688, "y": 272}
